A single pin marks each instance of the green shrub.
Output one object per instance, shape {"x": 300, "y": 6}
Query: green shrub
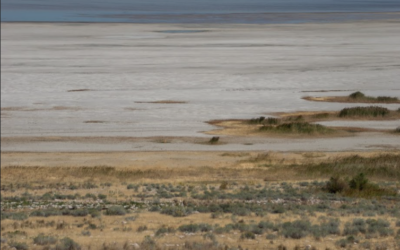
{"x": 90, "y": 196}
{"x": 343, "y": 243}
{"x": 257, "y": 120}
{"x": 214, "y": 139}
{"x": 248, "y": 235}
{"x": 164, "y": 230}
{"x": 176, "y": 211}
{"x": 327, "y": 228}
{"x": 397, "y": 130}
{"x": 190, "y": 228}
{"x": 115, "y": 210}
{"x": 374, "y": 111}
{"x": 46, "y": 213}
{"x": 142, "y": 228}
{"x": 14, "y": 216}
{"x": 386, "y": 99}
{"x": 102, "y": 196}
{"x": 336, "y": 185}
{"x": 361, "y": 97}
{"x": 357, "y": 95}
{"x": 18, "y": 245}
{"x": 384, "y": 166}
{"x": 271, "y": 121}
{"x": 359, "y": 182}
{"x": 67, "y": 244}
{"x": 357, "y": 226}
{"x": 94, "y": 213}
{"x": 380, "y": 226}
{"x": 297, "y": 128}
{"x": 42, "y": 240}
{"x": 296, "y": 229}
{"x": 76, "y": 212}
{"x": 224, "y": 185}
{"x": 266, "y": 225}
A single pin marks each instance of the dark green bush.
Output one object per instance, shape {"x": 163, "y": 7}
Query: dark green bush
{"x": 380, "y": 226}
{"x": 18, "y": 245}
{"x": 296, "y": 229}
{"x": 176, "y": 211}
{"x": 76, "y": 212}
{"x": 359, "y": 182}
{"x": 224, "y": 185}
{"x": 360, "y": 96}
{"x": 336, "y": 185}
{"x": 164, "y": 230}
{"x": 14, "y": 216}
{"x": 102, "y": 196}
{"x": 343, "y": 243}
{"x": 214, "y": 139}
{"x": 266, "y": 225}
{"x": 190, "y": 228}
{"x": 142, "y": 228}
{"x": 297, "y": 127}
{"x": 248, "y": 235}
{"x": 356, "y": 227}
{"x": 357, "y": 95}
{"x": 386, "y": 99}
{"x": 327, "y": 228}
{"x": 373, "y": 111}
{"x": 115, "y": 210}
{"x": 46, "y": 213}
{"x": 67, "y": 244}
{"x": 42, "y": 240}
{"x": 257, "y": 120}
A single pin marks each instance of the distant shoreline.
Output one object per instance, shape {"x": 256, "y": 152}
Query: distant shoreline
{"x": 227, "y": 18}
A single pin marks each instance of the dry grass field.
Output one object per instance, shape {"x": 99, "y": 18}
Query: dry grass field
{"x": 200, "y": 200}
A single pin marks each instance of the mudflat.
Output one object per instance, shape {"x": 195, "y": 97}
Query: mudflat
{"x": 106, "y": 136}
{"x": 113, "y": 80}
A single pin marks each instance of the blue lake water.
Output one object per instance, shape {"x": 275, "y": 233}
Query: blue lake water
{"x": 191, "y": 11}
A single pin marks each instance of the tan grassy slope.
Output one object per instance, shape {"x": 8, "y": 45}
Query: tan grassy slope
{"x": 159, "y": 194}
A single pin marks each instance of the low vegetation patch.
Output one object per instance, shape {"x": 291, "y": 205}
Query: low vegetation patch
{"x": 358, "y": 204}
{"x": 382, "y": 166}
{"x": 43, "y": 240}
{"x": 373, "y": 111}
{"x": 359, "y": 96}
{"x": 358, "y": 186}
{"x": 297, "y": 128}
{"x": 356, "y": 97}
{"x": 115, "y": 210}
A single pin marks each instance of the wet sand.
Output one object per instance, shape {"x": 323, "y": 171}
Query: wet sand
{"x": 103, "y": 87}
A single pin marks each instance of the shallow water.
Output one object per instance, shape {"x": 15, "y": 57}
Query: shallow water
{"x": 191, "y": 11}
